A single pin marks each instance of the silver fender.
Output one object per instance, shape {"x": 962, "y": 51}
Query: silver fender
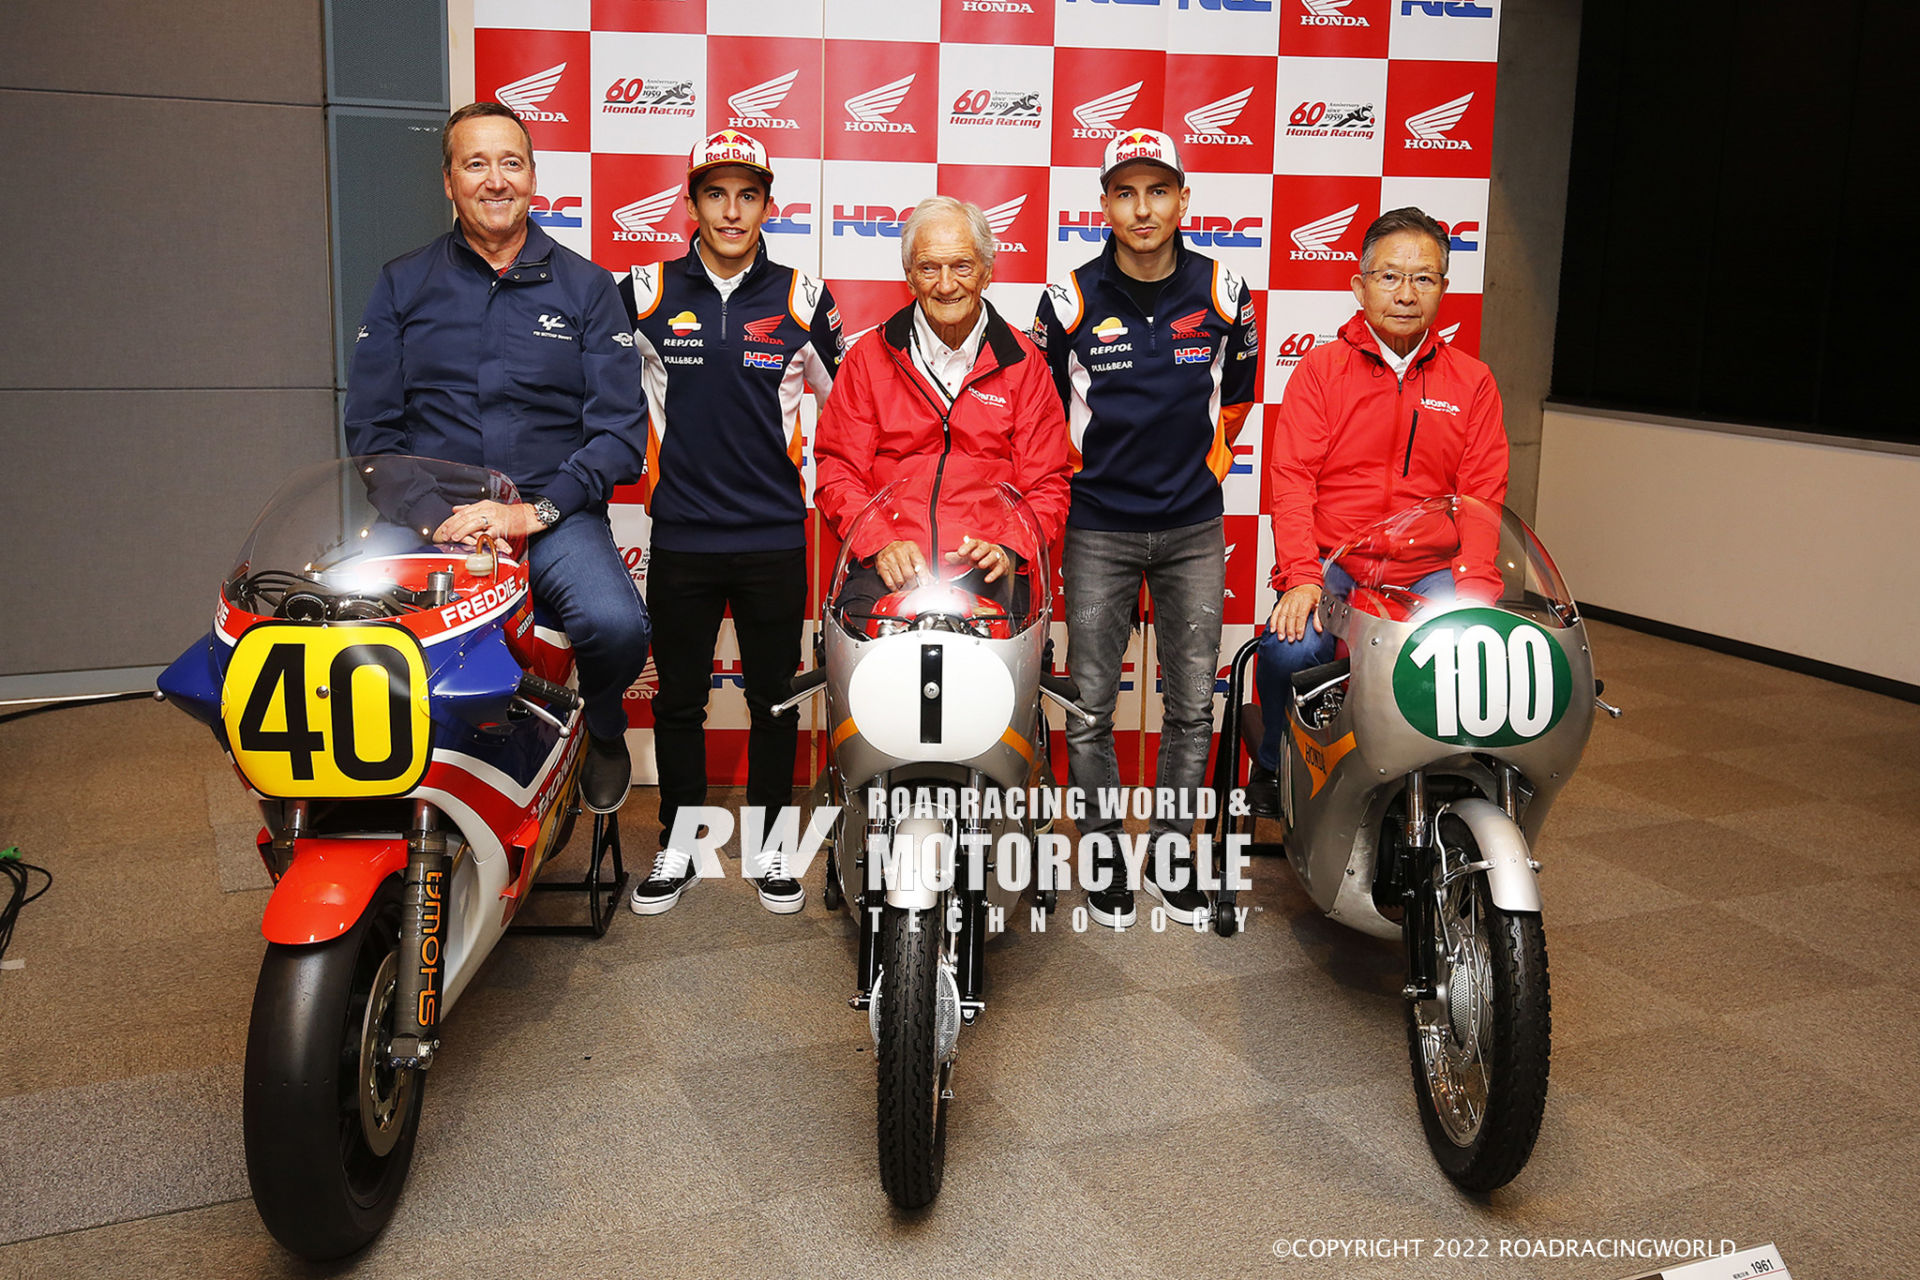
{"x": 918, "y": 888}
{"x": 1503, "y": 847}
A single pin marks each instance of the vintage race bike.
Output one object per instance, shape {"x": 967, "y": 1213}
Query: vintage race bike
{"x": 402, "y": 712}
{"x": 938, "y": 752}
{"x": 1418, "y": 769}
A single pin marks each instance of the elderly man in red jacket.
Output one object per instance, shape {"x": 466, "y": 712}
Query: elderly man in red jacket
{"x": 1372, "y": 423}
{"x": 949, "y": 397}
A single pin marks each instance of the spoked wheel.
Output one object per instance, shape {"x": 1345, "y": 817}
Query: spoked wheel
{"x": 329, "y": 1126}
{"x": 1480, "y": 1050}
{"x": 916, "y": 1027}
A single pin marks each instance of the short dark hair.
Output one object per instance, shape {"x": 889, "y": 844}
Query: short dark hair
{"x": 468, "y": 112}
{"x": 766, "y": 183}
{"x": 1407, "y": 219}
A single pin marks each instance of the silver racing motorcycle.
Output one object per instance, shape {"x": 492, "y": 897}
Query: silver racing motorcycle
{"x": 1417, "y": 770}
{"x": 937, "y": 764}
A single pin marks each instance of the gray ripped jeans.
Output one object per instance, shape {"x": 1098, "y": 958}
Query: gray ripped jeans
{"x": 1186, "y": 573}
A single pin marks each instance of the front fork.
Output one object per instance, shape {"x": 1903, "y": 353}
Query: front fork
{"x": 1420, "y": 838}
{"x": 423, "y": 932}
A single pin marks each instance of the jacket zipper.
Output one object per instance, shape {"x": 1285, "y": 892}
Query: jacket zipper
{"x": 1408, "y": 464}
{"x": 946, "y": 447}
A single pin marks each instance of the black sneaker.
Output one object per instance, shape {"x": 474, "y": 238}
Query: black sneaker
{"x": 780, "y": 893}
{"x": 1184, "y": 905}
{"x": 1263, "y": 791}
{"x": 606, "y": 775}
{"x": 672, "y": 875}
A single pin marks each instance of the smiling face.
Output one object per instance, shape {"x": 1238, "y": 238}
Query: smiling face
{"x": 1144, "y": 204}
{"x": 729, "y": 204}
{"x": 491, "y": 181}
{"x": 948, "y": 277}
{"x": 1402, "y": 313}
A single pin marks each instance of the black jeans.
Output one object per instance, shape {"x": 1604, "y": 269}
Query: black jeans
{"x": 687, "y": 593}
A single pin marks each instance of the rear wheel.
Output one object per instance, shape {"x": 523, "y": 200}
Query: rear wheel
{"x": 329, "y": 1127}
{"x": 1480, "y": 1049}
{"x": 912, "y": 1065}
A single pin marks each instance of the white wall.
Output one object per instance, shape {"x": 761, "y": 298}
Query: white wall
{"x": 1773, "y": 538}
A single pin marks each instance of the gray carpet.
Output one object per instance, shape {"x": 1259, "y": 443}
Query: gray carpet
{"x": 1732, "y": 885}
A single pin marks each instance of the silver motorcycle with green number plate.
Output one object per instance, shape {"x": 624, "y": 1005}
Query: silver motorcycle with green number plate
{"x": 1418, "y": 771}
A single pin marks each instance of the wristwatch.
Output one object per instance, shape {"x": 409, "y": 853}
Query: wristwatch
{"x": 546, "y": 511}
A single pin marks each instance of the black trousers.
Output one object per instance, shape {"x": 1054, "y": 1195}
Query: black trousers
{"x": 687, "y": 594}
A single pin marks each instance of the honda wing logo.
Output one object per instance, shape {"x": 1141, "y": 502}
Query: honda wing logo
{"x": 527, "y": 93}
{"x": 871, "y": 109}
{"x": 1209, "y": 123}
{"x": 1000, "y": 218}
{"x": 1314, "y": 241}
{"x": 1448, "y": 334}
{"x": 1100, "y": 118}
{"x": 1430, "y": 127}
{"x": 636, "y": 220}
{"x": 1329, "y": 13}
{"x": 754, "y": 107}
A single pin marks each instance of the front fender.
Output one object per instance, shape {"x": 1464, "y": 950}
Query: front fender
{"x": 327, "y": 887}
{"x": 1510, "y": 878}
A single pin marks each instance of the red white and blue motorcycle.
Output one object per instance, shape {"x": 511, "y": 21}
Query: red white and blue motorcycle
{"x": 403, "y": 713}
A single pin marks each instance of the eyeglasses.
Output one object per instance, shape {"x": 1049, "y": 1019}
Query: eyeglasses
{"x": 1390, "y": 280}
{"x": 930, "y": 271}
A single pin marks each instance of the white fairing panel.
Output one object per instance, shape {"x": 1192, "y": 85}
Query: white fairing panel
{"x": 974, "y": 695}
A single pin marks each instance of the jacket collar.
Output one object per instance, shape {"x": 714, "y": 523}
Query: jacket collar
{"x": 533, "y": 262}
{"x": 999, "y": 339}
{"x": 696, "y": 268}
{"x": 1359, "y": 334}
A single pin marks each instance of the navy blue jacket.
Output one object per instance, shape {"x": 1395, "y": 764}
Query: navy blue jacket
{"x": 725, "y": 379}
{"x": 530, "y": 371}
{"x": 1152, "y": 406}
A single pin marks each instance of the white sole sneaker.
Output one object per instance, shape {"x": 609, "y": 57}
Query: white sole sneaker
{"x": 789, "y": 904}
{"x": 1179, "y": 915}
{"x": 1112, "y": 920}
{"x": 653, "y": 906}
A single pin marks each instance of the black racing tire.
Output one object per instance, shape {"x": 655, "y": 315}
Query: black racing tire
{"x": 831, "y": 895}
{"x": 1480, "y": 1066}
{"x": 913, "y": 1113}
{"x": 322, "y": 1185}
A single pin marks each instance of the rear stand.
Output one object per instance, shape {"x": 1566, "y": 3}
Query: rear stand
{"x": 1226, "y": 779}
{"x": 603, "y": 891}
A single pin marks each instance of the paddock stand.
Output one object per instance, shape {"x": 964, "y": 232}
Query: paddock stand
{"x": 604, "y": 884}
{"x": 1240, "y": 721}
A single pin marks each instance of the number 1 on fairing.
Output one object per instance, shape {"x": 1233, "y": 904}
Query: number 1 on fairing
{"x": 1487, "y": 682}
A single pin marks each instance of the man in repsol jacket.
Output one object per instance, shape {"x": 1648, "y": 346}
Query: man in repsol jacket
{"x": 495, "y": 346}
{"x": 1373, "y": 423}
{"x": 946, "y": 395}
{"x": 1154, "y": 349}
{"x": 729, "y": 340}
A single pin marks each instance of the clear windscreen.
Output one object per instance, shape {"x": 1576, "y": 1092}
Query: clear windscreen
{"x": 354, "y": 530}
{"x": 1450, "y": 549}
{"x": 923, "y": 549}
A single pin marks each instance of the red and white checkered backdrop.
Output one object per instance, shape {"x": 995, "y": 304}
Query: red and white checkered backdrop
{"x": 1298, "y": 121}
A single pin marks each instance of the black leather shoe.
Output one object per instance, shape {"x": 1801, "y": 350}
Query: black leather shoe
{"x": 1263, "y": 791}
{"x": 606, "y": 775}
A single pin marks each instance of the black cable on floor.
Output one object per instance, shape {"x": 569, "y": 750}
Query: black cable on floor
{"x": 63, "y": 704}
{"x": 18, "y": 876}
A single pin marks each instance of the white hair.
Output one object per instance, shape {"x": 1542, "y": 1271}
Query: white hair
{"x": 934, "y": 207}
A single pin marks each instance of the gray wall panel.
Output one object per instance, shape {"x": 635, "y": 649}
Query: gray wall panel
{"x": 240, "y": 50}
{"x": 147, "y": 496}
{"x": 173, "y": 244}
{"x": 1526, "y": 217}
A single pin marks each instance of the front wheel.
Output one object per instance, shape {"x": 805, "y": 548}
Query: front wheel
{"x": 1479, "y": 1051}
{"x": 913, "y": 1056}
{"x": 329, "y": 1126}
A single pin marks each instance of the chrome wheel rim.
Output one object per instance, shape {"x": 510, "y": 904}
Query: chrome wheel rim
{"x": 385, "y": 1093}
{"x": 1456, "y": 1027}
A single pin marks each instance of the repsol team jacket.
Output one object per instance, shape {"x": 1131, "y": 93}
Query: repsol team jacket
{"x": 724, "y": 379}
{"x": 1354, "y": 444}
{"x": 529, "y": 371}
{"x": 886, "y": 422}
{"x": 1153, "y": 405}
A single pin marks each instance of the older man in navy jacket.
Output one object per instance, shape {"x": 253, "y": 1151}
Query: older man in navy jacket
{"x": 495, "y": 346}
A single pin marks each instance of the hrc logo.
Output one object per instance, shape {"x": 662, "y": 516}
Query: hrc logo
{"x": 1192, "y": 355}
{"x": 761, "y": 359}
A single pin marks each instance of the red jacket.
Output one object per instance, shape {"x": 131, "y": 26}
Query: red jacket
{"x": 885, "y": 422}
{"x": 1351, "y": 445}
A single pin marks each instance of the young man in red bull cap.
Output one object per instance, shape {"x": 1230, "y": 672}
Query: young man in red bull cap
{"x": 1153, "y": 350}
{"x": 729, "y": 342}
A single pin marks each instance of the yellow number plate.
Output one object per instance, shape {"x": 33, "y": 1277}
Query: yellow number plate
{"x": 317, "y": 712}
